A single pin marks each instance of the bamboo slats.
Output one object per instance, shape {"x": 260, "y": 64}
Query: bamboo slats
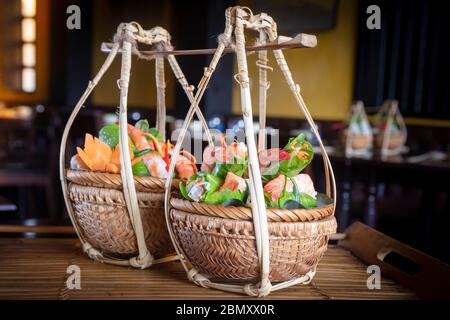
{"x": 36, "y": 269}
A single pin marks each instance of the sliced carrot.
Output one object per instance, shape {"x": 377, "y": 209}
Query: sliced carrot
{"x": 85, "y": 158}
{"x": 103, "y": 151}
{"x": 89, "y": 146}
{"x": 115, "y": 156}
{"x": 110, "y": 167}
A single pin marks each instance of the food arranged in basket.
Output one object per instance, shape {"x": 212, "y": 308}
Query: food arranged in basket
{"x": 150, "y": 155}
{"x": 224, "y": 176}
{"x": 358, "y": 136}
{"x": 251, "y": 221}
{"x": 390, "y": 129}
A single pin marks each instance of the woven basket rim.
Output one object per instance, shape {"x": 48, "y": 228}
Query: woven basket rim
{"x": 114, "y": 180}
{"x": 231, "y": 228}
{"x": 245, "y": 213}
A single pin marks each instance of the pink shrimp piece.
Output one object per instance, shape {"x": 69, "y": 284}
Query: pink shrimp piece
{"x": 155, "y": 165}
{"x": 275, "y": 187}
{"x": 267, "y": 157}
{"x": 185, "y": 165}
{"x": 304, "y": 184}
{"x": 233, "y": 182}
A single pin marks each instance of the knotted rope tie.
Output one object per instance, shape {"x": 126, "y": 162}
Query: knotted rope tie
{"x": 157, "y": 36}
{"x": 263, "y": 64}
{"x": 196, "y": 277}
{"x": 92, "y": 252}
{"x": 310, "y": 275}
{"x": 251, "y": 290}
{"x": 121, "y": 84}
{"x": 142, "y": 263}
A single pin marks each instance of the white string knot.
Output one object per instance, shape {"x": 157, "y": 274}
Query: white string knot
{"x": 263, "y": 64}
{"x": 142, "y": 263}
{"x": 121, "y": 84}
{"x": 259, "y": 292}
{"x": 196, "y": 277}
{"x": 310, "y": 275}
{"x": 91, "y": 251}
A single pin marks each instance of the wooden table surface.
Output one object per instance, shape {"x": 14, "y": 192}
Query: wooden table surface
{"x": 37, "y": 269}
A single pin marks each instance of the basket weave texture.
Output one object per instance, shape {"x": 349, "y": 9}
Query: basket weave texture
{"x": 100, "y": 211}
{"x": 395, "y": 141}
{"x": 359, "y": 141}
{"x": 225, "y": 248}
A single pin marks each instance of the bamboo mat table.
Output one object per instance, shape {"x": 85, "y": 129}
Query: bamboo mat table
{"x": 36, "y": 269}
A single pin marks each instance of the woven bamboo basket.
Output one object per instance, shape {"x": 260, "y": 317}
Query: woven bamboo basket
{"x": 394, "y": 141}
{"x": 358, "y": 141}
{"x": 250, "y": 250}
{"x": 120, "y": 218}
{"x": 391, "y": 143}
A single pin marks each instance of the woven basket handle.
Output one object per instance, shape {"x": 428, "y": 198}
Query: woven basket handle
{"x": 295, "y": 88}
{"x": 127, "y": 35}
{"x": 62, "y": 151}
{"x": 237, "y": 18}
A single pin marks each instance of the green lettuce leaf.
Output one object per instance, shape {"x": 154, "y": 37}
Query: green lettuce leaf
{"x": 183, "y": 191}
{"x": 307, "y": 201}
{"x": 145, "y": 126}
{"x": 109, "y": 134}
{"x": 140, "y": 169}
{"x": 219, "y": 197}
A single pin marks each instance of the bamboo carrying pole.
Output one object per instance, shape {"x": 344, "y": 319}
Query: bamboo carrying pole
{"x": 236, "y": 20}
{"x": 126, "y": 38}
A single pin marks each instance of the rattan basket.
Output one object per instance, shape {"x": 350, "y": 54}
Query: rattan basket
{"x": 225, "y": 247}
{"x": 250, "y": 250}
{"x": 358, "y": 141}
{"x": 388, "y": 142}
{"x": 394, "y": 141}
{"x": 99, "y": 207}
{"x": 120, "y": 218}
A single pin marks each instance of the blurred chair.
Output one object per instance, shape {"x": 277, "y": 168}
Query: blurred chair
{"x": 28, "y": 162}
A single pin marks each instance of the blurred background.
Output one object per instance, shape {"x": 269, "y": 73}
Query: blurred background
{"x": 45, "y": 67}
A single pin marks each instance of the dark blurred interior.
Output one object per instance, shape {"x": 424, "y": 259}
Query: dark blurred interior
{"x": 45, "y": 67}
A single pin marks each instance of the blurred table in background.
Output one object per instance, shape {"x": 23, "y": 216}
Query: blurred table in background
{"x": 409, "y": 201}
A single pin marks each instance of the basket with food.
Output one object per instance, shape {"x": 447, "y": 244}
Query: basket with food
{"x": 251, "y": 222}
{"x": 357, "y": 137}
{"x": 114, "y": 187}
{"x": 391, "y": 132}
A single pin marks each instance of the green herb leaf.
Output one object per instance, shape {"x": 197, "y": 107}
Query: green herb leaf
{"x": 323, "y": 200}
{"x": 183, "y": 191}
{"x": 144, "y": 152}
{"x": 219, "y": 197}
{"x": 307, "y": 201}
{"x": 143, "y": 125}
{"x": 292, "y": 204}
{"x": 140, "y": 169}
{"x": 109, "y": 134}
{"x": 234, "y": 203}
{"x": 156, "y": 134}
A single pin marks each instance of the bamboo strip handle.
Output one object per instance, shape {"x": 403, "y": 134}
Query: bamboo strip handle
{"x": 160, "y": 96}
{"x": 129, "y": 189}
{"x": 62, "y": 151}
{"x": 263, "y": 86}
{"x": 258, "y": 206}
